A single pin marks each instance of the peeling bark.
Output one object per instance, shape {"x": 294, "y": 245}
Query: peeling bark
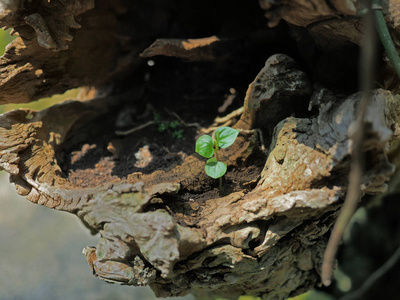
{"x": 266, "y": 233}
{"x": 191, "y": 49}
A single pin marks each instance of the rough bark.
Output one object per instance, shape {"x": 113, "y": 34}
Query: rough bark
{"x": 266, "y": 233}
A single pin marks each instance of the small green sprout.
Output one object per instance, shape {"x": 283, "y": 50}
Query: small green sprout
{"x": 172, "y": 127}
{"x": 163, "y": 127}
{"x": 208, "y": 147}
{"x": 178, "y": 134}
{"x": 174, "y": 124}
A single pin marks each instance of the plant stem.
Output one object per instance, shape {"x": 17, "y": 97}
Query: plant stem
{"x": 216, "y": 152}
{"x": 216, "y": 156}
{"x": 385, "y": 36}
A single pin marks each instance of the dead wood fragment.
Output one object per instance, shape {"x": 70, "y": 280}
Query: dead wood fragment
{"x": 278, "y": 91}
{"x": 190, "y": 49}
{"x": 393, "y": 13}
{"x": 303, "y": 13}
{"x": 332, "y": 22}
{"x": 67, "y": 44}
{"x": 48, "y": 39}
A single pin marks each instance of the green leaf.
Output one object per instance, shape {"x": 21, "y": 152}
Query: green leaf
{"x": 157, "y": 117}
{"x": 204, "y": 146}
{"x": 225, "y": 136}
{"x": 173, "y": 124}
{"x": 162, "y": 127}
{"x": 178, "y": 134}
{"x": 214, "y": 168}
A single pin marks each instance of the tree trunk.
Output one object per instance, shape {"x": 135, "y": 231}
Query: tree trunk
{"x": 173, "y": 70}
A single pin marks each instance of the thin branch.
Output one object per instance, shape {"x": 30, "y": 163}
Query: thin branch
{"x": 223, "y": 121}
{"x": 172, "y": 113}
{"x": 357, "y": 294}
{"x": 127, "y": 132}
{"x": 366, "y": 66}
{"x": 234, "y": 114}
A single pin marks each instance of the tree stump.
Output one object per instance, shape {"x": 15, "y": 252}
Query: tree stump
{"x": 162, "y": 221}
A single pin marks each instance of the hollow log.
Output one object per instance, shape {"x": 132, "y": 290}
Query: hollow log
{"x": 162, "y": 221}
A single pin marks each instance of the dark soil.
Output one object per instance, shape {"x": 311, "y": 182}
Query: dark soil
{"x": 103, "y": 156}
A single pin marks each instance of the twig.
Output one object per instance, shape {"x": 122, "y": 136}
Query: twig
{"x": 223, "y": 121}
{"x": 235, "y": 113}
{"x": 366, "y": 66}
{"x": 357, "y": 294}
{"x": 197, "y": 125}
{"x": 215, "y": 127}
{"x": 140, "y": 127}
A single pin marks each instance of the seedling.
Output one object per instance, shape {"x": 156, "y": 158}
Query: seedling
{"x": 178, "y": 134}
{"x": 171, "y": 126}
{"x": 208, "y": 147}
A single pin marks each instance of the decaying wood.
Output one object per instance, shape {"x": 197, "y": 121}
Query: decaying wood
{"x": 190, "y": 49}
{"x": 43, "y": 36}
{"x": 267, "y": 236}
{"x": 76, "y": 44}
{"x": 303, "y": 13}
{"x": 330, "y": 22}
